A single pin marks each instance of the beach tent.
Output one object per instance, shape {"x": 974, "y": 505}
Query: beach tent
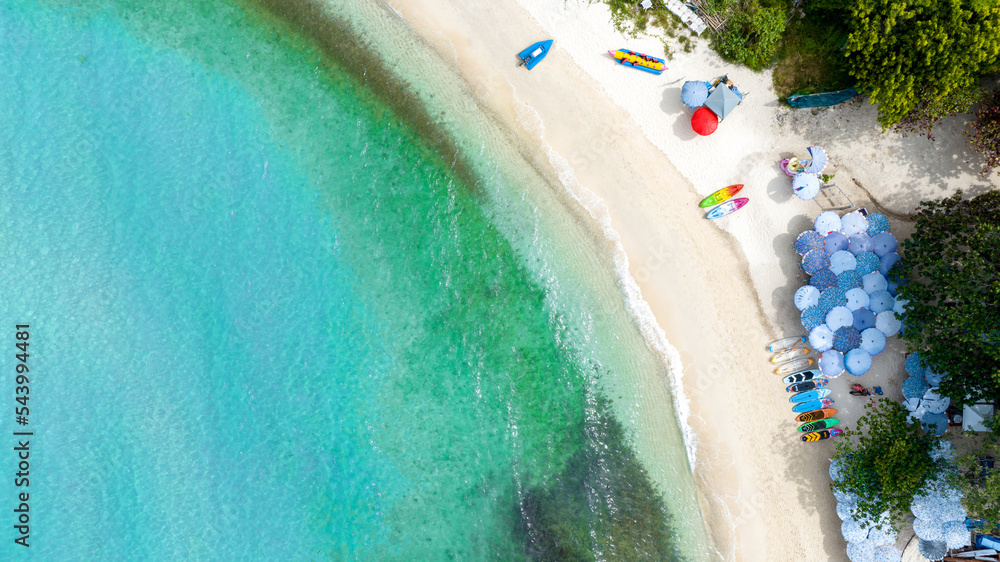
{"x": 704, "y": 121}
{"x": 723, "y": 101}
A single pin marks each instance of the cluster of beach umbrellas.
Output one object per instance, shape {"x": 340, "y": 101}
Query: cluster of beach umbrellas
{"x": 867, "y": 541}
{"x": 921, "y": 398}
{"x": 849, "y": 306}
{"x": 806, "y": 183}
{"x": 940, "y": 517}
{"x": 710, "y": 107}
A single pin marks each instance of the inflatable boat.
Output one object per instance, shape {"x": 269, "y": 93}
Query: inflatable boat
{"x": 534, "y": 54}
{"x": 638, "y": 60}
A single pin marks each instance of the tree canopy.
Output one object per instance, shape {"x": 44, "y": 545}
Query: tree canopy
{"x": 903, "y": 52}
{"x": 950, "y": 275}
{"x": 885, "y": 462}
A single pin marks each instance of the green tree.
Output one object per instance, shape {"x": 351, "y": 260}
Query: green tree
{"x": 980, "y": 485}
{"x": 984, "y": 134}
{"x": 950, "y": 275}
{"x": 751, "y": 36}
{"x": 885, "y": 461}
{"x": 903, "y": 52}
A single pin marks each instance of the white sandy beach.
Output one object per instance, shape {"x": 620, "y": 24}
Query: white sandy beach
{"x": 720, "y": 290}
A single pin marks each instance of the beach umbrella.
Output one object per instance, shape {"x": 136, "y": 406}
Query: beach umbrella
{"x": 861, "y": 551}
{"x": 823, "y": 279}
{"x": 923, "y": 506}
{"x": 880, "y": 301}
{"x": 827, "y": 222}
{"x": 839, "y": 317}
{"x": 877, "y": 224}
{"x": 694, "y": 93}
{"x": 873, "y": 282}
{"x": 857, "y": 362}
{"x": 845, "y": 496}
{"x": 832, "y": 298}
{"x": 821, "y": 338}
{"x": 884, "y": 244}
{"x": 859, "y": 243}
{"x": 808, "y": 240}
{"x": 806, "y": 296}
{"x": 932, "y": 550}
{"x": 899, "y": 307}
{"x": 911, "y": 403}
{"x": 856, "y": 298}
{"x": 887, "y": 553}
{"x": 887, "y": 323}
{"x": 836, "y": 465}
{"x": 842, "y": 261}
{"x": 849, "y": 279}
{"x": 812, "y": 317}
{"x": 845, "y": 510}
{"x": 913, "y": 366}
{"x": 914, "y": 388}
{"x": 835, "y": 242}
{"x": 928, "y": 529}
{"x": 853, "y": 224}
{"x": 890, "y": 285}
{"x": 722, "y": 101}
{"x": 818, "y": 161}
{"x": 956, "y": 534}
{"x": 831, "y": 363}
{"x": 868, "y": 262}
{"x": 846, "y": 339}
{"x": 933, "y": 378}
{"x": 935, "y": 424}
{"x": 934, "y": 403}
{"x": 863, "y": 319}
{"x": 805, "y": 185}
{"x": 883, "y": 536}
{"x": 944, "y": 450}
{"x": 815, "y": 260}
{"x": 888, "y": 261}
{"x": 853, "y": 531}
{"x": 872, "y": 341}
{"x": 951, "y": 511}
{"x": 704, "y": 122}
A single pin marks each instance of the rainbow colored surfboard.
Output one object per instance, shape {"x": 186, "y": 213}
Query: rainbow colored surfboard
{"x": 722, "y": 195}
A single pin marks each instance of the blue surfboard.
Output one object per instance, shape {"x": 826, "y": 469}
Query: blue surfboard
{"x": 810, "y": 395}
{"x": 812, "y": 405}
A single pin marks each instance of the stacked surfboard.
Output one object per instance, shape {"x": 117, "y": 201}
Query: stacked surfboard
{"x": 723, "y": 201}
{"x": 809, "y": 393}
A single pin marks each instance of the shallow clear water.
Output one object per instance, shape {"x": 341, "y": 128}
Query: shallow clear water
{"x": 270, "y": 321}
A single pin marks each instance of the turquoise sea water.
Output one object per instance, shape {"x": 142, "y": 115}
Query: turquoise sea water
{"x": 270, "y": 321}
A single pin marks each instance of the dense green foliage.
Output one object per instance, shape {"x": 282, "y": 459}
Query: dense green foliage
{"x": 980, "y": 485}
{"x": 885, "y": 461}
{"x": 929, "y": 112}
{"x": 752, "y": 36}
{"x": 985, "y": 132}
{"x": 951, "y": 276}
{"x": 906, "y": 51}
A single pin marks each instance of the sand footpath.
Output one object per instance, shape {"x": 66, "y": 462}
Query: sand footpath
{"x": 720, "y": 290}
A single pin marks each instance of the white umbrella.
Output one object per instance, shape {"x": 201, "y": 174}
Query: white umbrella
{"x": 821, "y": 338}
{"x": 854, "y": 223}
{"x": 880, "y": 300}
{"x": 928, "y": 529}
{"x": 831, "y": 363}
{"x": 838, "y": 317}
{"x": 872, "y": 341}
{"x": 827, "y": 222}
{"x": 853, "y": 531}
{"x": 856, "y": 298}
{"x": 874, "y": 282}
{"x": 806, "y": 185}
{"x": 861, "y": 243}
{"x": 806, "y": 296}
{"x": 857, "y": 362}
{"x": 887, "y": 553}
{"x": 956, "y": 535}
{"x": 887, "y": 323}
{"x": 842, "y": 261}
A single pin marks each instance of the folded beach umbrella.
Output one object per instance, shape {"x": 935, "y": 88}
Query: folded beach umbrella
{"x": 877, "y": 224}
{"x": 806, "y": 296}
{"x": 914, "y": 388}
{"x": 823, "y": 279}
{"x": 956, "y": 534}
{"x": 694, "y": 93}
{"x": 856, "y": 298}
{"x": 818, "y": 161}
{"x": 831, "y": 363}
{"x": 861, "y": 243}
{"x": 872, "y": 341}
{"x": 887, "y": 323}
{"x": 854, "y": 223}
{"x": 839, "y": 317}
{"x": 885, "y": 243}
{"x": 805, "y": 185}
{"x": 821, "y": 338}
{"x": 928, "y": 529}
{"x": 868, "y": 262}
{"x": 842, "y": 261}
{"x": 863, "y": 319}
{"x": 932, "y": 550}
{"x": 935, "y": 424}
{"x": 874, "y": 282}
{"x": 888, "y": 262}
{"x": 853, "y": 531}
{"x": 880, "y": 301}
{"x": 846, "y": 339}
{"x": 704, "y": 122}
{"x": 808, "y": 240}
{"x": 722, "y": 101}
{"x": 887, "y": 553}
{"x": 835, "y": 242}
{"x": 913, "y": 366}
{"x": 857, "y": 362}
{"x": 860, "y": 551}
{"x": 932, "y": 377}
{"x": 812, "y": 317}
{"x": 815, "y": 260}
{"x": 827, "y": 222}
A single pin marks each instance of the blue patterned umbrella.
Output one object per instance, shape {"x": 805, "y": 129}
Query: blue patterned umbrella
{"x": 808, "y": 240}
{"x": 956, "y": 534}
{"x": 845, "y": 510}
{"x": 914, "y": 387}
{"x": 812, "y": 317}
{"x": 913, "y": 366}
{"x": 888, "y": 262}
{"x": 823, "y": 279}
{"x": 853, "y": 531}
{"x": 861, "y": 551}
{"x": 846, "y": 339}
{"x": 887, "y": 323}
{"x": 877, "y": 224}
{"x": 868, "y": 262}
{"x": 927, "y": 529}
{"x": 818, "y": 161}
{"x": 815, "y": 260}
{"x": 882, "y": 536}
{"x": 834, "y": 296}
{"x": 860, "y": 243}
{"x": 887, "y": 553}
{"x": 880, "y": 300}
{"x": 835, "y": 242}
{"x": 849, "y": 279}
{"x": 863, "y": 319}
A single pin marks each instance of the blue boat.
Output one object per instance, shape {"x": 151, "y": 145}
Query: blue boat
{"x": 534, "y": 53}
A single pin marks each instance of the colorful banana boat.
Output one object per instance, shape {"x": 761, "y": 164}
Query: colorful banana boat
{"x": 648, "y": 63}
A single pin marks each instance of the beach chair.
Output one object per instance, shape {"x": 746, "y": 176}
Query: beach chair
{"x": 646, "y": 4}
